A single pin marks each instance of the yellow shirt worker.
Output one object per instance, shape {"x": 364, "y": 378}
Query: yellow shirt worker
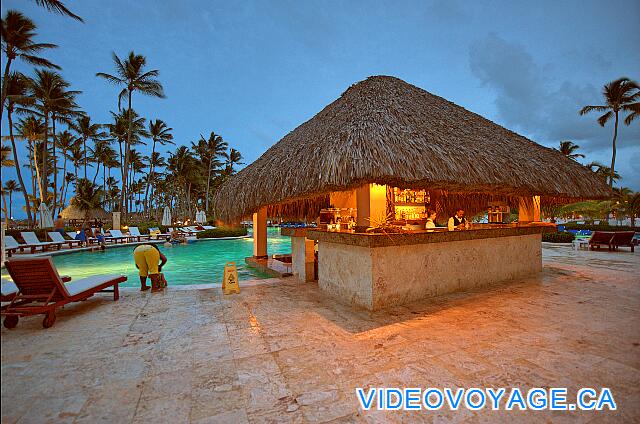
{"x": 149, "y": 261}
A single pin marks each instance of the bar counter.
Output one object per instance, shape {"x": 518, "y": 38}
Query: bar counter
{"x": 378, "y": 270}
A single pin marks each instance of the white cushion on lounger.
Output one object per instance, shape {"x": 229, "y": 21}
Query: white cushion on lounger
{"x": 8, "y": 287}
{"x": 84, "y": 284}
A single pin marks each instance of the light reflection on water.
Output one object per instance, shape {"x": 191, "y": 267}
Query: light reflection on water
{"x": 201, "y": 262}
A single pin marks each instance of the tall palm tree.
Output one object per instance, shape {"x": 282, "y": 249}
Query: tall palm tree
{"x": 210, "y": 150}
{"x": 17, "y": 86}
{"x": 568, "y": 149}
{"x": 66, "y": 141}
{"x": 49, "y": 90}
{"x": 618, "y": 96}
{"x": 31, "y": 129}
{"x": 18, "y": 33}
{"x": 88, "y": 131}
{"x": 130, "y": 73}
{"x": 57, "y": 6}
{"x": 159, "y": 133}
{"x": 11, "y": 187}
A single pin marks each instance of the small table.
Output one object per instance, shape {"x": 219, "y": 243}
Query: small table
{"x": 580, "y": 244}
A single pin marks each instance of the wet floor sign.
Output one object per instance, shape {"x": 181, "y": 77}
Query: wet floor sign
{"x": 230, "y": 279}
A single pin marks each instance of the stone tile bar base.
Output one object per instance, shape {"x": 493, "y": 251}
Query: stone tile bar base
{"x": 379, "y": 277}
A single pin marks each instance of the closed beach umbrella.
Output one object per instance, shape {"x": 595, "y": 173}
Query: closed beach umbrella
{"x": 166, "y": 216}
{"x": 45, "y": 216}
{"x": 203, "y": 217}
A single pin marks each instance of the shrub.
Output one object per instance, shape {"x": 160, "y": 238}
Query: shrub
{"x": 561, "y": 237}
{"x": 222, "y": 232}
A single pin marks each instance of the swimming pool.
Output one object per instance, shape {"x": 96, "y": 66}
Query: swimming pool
{"x": 200, "y": 262}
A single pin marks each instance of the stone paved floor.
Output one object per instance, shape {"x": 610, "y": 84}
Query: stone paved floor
{"x": 283, "y": 353}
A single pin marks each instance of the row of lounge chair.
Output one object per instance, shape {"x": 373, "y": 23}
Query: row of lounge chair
{"x": 32, "y": 244}
{"x": 37, "y": 288}
{"x": 612, "y": 239}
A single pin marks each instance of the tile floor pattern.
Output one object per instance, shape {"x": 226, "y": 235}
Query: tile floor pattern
{"x": 284, "y": 353}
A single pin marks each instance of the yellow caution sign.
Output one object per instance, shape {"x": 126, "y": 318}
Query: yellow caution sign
{"x": 230, "y": 279}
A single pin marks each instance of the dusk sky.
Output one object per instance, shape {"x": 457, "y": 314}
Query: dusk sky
{"x": 254, "y": 71}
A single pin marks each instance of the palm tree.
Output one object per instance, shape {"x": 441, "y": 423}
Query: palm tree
{"x": 210, "y": 151}
{"x": 17, "y": 86}
{"x": 18, "y": 33}
{"x": 182, "y": 166}
{"x": 618, "y": 95}
{"x": 130, "y": 74}
{"x": 66, "y": 142}
{"x": 57, "y": 6}
{"x": 88, "y": 197}
{"x": 568, "y": 149}
{"x": 49, "y": 92}
{"x": 87, "y": 131}
{"x": 233, "y": 158}
{"x": 160, "y": 133}
{"x": 31, "y": 129}
{"x": 603, "y": 171}
{"x": 11, "y": 187}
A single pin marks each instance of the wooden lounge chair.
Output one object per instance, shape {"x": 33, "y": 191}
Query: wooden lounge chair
{"x": 30, "y": 238}
{"x": 57, "y": 237}
{"x": 11, "y": 246}
{"x": 601, "y": 238}
{"x": 622, "y": 239}
{"x": 41, "y": 290}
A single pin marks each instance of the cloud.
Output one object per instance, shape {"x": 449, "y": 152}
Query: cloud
{"x": 539, "y": 101}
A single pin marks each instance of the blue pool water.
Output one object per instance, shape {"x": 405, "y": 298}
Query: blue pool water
{"x": 200, "y": 262}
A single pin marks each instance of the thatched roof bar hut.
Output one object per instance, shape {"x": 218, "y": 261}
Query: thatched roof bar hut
{"x": 383, "y": 130}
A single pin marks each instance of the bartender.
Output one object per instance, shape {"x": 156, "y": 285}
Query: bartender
{"x": 457, "y": 221}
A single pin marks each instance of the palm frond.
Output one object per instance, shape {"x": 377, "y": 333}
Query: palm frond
{"x": 57, "y": 6}
{"x": 604, "y": 118}
{"x": 39, "y": 61}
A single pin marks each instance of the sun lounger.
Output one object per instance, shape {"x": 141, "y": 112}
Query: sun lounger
{"x": 135, "y": 232}
{"x": 601, "y": 238}
{"x": 41, "y": 290}
{"x": 30, "y": 238}
{"x": 9, "y": 291}
{"x": 11, "y": 246}
{"x": 57, "y": 237}
{"x": 622, "y": 239}
{"x": 208, "y": 227}
{"x": 117, "y": 236}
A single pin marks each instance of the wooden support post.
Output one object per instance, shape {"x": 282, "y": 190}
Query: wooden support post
{"x": 260, "y": 233}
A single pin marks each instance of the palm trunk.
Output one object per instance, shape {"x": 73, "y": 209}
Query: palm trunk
{"x": 84, "y": 149}
{"x": 206, "y": 200}
{"x": 18, "y": 172}
{"x": 4, "y": 86}
{"x": 38, "y": 176}
{"x": 97, "y": 172}
{"x": 126, "y": 161}
{"x": 10, "y": 205}
{"x": 4, "y": 208}
{"x": 613, "y": 155}
{"x": 149, "y": 175}
{"x": 32, "y": 166}
{"x": 64, "y": 183}
{"x": 55, "y": 170}
{"x": 45, "y": 179}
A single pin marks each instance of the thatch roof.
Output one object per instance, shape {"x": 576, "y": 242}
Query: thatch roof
{"x": 72, "y": 212}
{"x": 387, "y": 131}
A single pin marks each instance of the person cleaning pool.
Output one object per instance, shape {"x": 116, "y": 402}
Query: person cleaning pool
{"x": 149, "y": 261}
